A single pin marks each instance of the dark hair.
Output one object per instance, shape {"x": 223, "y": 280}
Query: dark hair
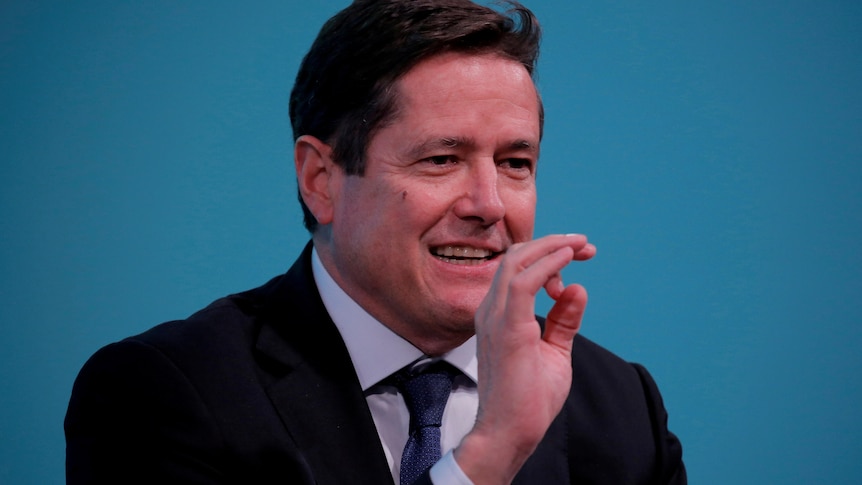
{"x": 344, "y": 90}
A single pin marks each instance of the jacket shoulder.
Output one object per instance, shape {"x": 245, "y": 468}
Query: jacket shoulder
{"x": 616, "y": 417}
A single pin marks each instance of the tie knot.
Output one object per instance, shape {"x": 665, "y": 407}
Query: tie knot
{"x": 426, "y": 393}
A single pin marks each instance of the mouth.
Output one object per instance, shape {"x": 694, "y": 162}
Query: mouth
{"x": 464, "y": 255}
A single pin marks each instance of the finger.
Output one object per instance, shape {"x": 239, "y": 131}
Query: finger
{"x": 523, "y": 255}
{"x": 564, "y": 319}
{"x": 526, "y": 254}
{"x": 522, "y": 287}
{"x": 585, "y": 253}
{"x": 527, "y": 267}
{"x": 554, "y": 286}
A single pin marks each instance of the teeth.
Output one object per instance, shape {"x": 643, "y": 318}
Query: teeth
{"x": 462, "y": 252}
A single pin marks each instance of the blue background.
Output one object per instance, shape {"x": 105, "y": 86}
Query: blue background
{"x": 710, "y": 149}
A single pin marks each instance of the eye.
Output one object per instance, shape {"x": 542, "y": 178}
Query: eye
{"x": 441, "y": 160}
{"x": 517, "y": 164}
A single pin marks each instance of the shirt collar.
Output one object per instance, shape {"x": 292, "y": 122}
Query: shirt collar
{"x": 376, "y": 351}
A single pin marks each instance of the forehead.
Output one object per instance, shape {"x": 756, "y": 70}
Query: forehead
{"x": 460, "y": 88}
{"x": 457, "y": 73}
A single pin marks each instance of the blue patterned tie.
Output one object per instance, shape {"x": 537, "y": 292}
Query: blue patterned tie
{"x": 425, "y": 394}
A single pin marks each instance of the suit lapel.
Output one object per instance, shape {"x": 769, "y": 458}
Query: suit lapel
{"x": 312, "y": 382}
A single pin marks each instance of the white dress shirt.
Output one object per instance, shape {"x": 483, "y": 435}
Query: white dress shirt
{"x": 377, "y": 352}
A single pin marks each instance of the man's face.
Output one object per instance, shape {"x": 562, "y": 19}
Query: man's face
{"x": 449, "y": 185}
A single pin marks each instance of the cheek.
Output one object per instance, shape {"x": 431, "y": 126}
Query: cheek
{"x": 521, "y": 212}
{"x": 387, "y": 217}
{"x": 420, "y": 206}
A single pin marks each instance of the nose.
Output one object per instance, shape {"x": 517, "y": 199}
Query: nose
{"x": 481, "y": 200}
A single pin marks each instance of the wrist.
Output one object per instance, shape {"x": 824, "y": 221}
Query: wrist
{"x": 491, "y": 458}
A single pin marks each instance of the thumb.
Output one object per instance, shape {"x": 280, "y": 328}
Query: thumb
{"x": 564, "y": 319}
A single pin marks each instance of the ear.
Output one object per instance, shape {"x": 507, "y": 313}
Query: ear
{"x": 316, "y": 174}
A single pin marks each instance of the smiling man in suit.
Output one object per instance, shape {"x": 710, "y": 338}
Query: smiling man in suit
{"x": 417, "y": 128}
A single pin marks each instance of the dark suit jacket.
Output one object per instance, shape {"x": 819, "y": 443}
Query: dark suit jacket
{"x": 259, "y": 388}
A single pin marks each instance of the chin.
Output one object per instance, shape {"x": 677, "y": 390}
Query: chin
{"x": 462, "y": 315}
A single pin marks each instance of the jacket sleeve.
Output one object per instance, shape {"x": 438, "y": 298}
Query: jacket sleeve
{"x": 671, "y": 470}
{"x": 134, "y": 417}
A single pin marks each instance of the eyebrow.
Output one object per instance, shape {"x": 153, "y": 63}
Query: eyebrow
{"x": 449, "y": 142}
{"x": 524, "y": 145}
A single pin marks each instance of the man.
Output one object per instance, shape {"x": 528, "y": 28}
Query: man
{"x": 417, "y": 129}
